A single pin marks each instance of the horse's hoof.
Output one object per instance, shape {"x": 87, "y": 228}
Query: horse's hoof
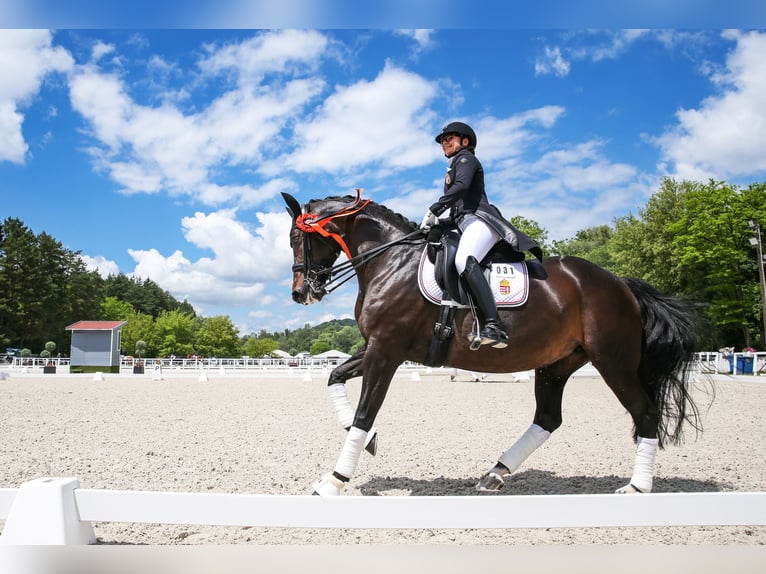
{"x": 328, "y": 485}
{"x": 490, "y": 482}
{"x": 629, "y": 489}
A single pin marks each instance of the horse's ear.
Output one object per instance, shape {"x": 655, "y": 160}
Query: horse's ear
{"x": 292, "y": 204}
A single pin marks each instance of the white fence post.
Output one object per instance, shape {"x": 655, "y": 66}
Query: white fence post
{"x": 45, "y": 512}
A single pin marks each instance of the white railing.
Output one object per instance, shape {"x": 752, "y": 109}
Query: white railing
{"x": 743, "y": 363}
{"x": 20, "y": 362}
{"x": 57, "y": 511}
{"x": 713, "y": 362}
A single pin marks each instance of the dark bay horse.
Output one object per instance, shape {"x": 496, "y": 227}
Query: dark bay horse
{"x": 640, "y": 341}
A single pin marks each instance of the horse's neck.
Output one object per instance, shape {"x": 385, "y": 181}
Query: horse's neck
{"x": 365, "y": 233}
{"x": 365, "y": 236}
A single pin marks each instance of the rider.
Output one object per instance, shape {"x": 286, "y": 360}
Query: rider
{"x": 480, "y": 222}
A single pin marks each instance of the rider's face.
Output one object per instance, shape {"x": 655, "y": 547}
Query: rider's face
{"x": 451, "y": 144}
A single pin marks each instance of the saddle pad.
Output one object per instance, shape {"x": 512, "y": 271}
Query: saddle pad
{"x": 509, "y": 282}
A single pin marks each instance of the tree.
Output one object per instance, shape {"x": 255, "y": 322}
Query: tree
{"x": 715, "y": 257}
{"x": 320, "y": 346}
{"x": 534, "y": 230}
{"x": 113, "y": 309}
{"x": 643, "y": 247}
{"x": 43, "y": 287}
{"x": 218, "y": 337}
{"x": 591, "y": 244}
{"x": 139, "y": 327}
{"x": 260, "y": 347}
{"x": 173, "y": 334}
{"x": 145, "y": 296}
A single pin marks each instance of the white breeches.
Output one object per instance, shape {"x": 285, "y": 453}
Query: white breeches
{"x": 477, "y": 239}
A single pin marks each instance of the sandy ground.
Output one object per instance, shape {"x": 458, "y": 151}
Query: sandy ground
{"x": 277, "y": 433}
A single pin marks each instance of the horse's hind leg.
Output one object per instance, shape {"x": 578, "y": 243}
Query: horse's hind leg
{"x": 549, "y": 390}
{"x": 626, "y": 385}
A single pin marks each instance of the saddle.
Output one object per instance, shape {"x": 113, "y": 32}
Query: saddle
{"x": 441, "y": 250}
{"x": 508, "y": 274}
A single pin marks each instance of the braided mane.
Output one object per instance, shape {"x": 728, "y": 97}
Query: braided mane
{"x": 373, "y": 208}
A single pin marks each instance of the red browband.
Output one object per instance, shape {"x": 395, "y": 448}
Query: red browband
{"x": 310, "y": 223}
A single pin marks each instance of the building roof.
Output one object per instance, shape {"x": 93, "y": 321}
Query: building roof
{"x": 95, "y": 325}
{"x": 332, "y": 354}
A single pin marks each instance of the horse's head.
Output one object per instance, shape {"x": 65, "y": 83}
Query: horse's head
{"x": 316, "y": 241}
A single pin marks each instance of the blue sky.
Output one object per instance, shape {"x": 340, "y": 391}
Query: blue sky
{"x": 161, "y": 151}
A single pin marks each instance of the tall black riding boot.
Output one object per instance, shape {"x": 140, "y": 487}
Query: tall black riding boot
{"x": 492, "y": 333}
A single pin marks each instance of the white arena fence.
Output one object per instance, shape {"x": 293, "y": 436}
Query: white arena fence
{"x": 712, "y": 362}
{"x": 743, "y": 363}
{"x": 56, "y": 511}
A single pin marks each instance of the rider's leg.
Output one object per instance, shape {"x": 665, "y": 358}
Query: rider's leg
{"x": 492, "y": 332}
{"x": 476, "y": 239}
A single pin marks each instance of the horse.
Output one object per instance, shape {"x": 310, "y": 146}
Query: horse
{"x": 641, "y": 341}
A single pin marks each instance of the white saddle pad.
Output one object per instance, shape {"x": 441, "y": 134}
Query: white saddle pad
{"x": 509, "y": 282}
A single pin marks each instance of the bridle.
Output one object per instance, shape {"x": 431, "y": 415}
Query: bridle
{"x": 317, "y": 275}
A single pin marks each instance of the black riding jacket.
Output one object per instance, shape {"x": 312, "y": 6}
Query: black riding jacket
{"x": 463, "y": 187}
{"x": 464, "y": 193}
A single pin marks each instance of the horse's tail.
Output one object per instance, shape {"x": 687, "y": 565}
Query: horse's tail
{"x": 667, "y": 358}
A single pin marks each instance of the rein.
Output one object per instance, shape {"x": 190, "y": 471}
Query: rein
{"x": 342, "y": 272}
{"x": 347, "y": 270}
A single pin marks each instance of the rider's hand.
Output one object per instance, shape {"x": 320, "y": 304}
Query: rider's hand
{"x": 429, "y": 220}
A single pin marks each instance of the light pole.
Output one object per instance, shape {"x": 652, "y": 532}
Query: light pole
{"x": 752, "y": 224}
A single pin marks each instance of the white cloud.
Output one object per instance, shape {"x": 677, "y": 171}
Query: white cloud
{"x": 26, "y": 58}
{"x": 99, "y": 263}
{"x": 423, "y": 37}
{"x": 152, "y": 149}
{"x": 283, "y": 51}
{"x": 503, "y": 139}
{"x": 385, "y": 121}
{"x": 551, "y": 62}
{"x": 243, "y": 260}
{"x": 725, "y": 136}
{"x": 567, "y": 189}
{"x": 101, "y": 49}
{"x": 599, "y": 45}
{"x": 617, "y": 43}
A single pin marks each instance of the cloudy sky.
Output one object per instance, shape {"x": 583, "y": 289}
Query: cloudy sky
{"x": 161, "y": 152}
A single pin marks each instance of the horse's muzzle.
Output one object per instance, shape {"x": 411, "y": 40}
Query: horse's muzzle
{"x": 306, "y": 296}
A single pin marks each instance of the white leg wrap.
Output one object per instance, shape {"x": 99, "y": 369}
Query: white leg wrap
{"x": 329, "y": 485}
{"x": 341, "y": 404}
{"x": 643, "y": 471}
{"x": 352, "y": 448}
{"x": 532, "y": 439}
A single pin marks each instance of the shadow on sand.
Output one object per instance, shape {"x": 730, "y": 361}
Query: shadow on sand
{"x": 530, "y": 482}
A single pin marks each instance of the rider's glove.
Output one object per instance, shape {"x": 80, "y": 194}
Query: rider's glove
{"x": 428, "y": 220}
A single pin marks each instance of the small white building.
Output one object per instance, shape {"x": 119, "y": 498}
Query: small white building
{"x": 96, "y": 344}
{"x": 332, "y": 357}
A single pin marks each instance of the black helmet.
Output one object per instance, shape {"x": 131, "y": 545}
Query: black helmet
{"x": 461, "y": 129}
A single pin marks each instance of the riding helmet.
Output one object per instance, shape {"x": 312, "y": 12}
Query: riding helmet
{"x": 461, "y": 129}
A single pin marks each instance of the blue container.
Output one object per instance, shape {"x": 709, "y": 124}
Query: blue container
{"x": 744, "y": 365}
{"x": 731, "y": 364}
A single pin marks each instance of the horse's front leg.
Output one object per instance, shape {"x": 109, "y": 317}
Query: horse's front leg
{"x": 378, "y": 370}
{"x": 336, "y": 387}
